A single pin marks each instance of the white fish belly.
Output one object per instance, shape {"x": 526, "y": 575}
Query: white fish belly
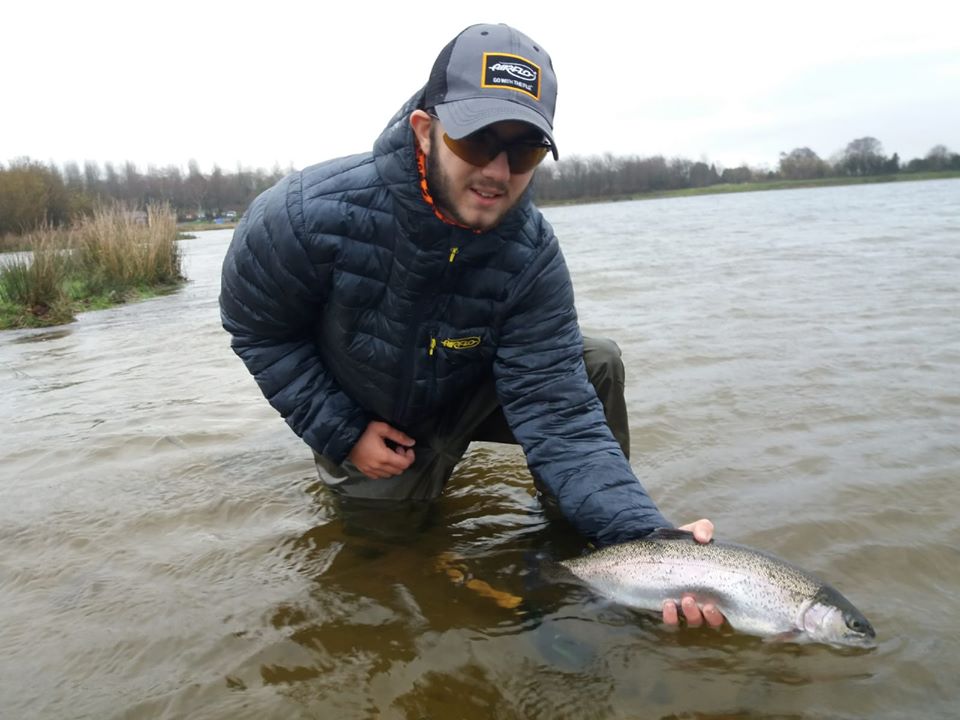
{"x": 748, "y": 602}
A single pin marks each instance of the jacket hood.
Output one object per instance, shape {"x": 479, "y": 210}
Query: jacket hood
{"x": 394, "y": 153}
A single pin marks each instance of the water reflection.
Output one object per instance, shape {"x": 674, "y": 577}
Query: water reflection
{"x": 43, "y": 335}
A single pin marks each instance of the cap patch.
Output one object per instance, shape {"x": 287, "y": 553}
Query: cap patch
{"x": 511, "y": 72}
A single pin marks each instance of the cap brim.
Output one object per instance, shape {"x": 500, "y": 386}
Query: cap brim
{"x": 462, "y": 117}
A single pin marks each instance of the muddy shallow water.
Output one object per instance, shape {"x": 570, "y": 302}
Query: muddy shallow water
{"x": 793, "y": 366}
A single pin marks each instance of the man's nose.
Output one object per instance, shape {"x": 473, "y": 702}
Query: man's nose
{"x": 498, "y": 168}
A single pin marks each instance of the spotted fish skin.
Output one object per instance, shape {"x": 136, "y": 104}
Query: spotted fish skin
{"x": 757, "y": 592}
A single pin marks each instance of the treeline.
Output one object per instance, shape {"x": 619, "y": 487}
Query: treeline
{"x": 578, "y": 178}
{"x": 34, "y": 194}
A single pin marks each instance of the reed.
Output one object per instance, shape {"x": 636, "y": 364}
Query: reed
{"x": 108, "y": 258}
{"x": 115, "y": 252}
{"x": 32, "y": 283}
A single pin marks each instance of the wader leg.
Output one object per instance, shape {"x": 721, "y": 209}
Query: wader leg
{"x": 442, "y": 443}
{"x": 393, "y": 507}
{"x": 606, "y": 373}
{"x": 605, "y": 370}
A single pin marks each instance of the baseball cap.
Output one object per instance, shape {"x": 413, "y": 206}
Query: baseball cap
{"x": 491, "y": 73}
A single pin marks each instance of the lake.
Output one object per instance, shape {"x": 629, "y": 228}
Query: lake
{"x": 793, "y": 369}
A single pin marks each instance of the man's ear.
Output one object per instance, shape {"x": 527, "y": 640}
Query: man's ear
{"x": 421, "y": 123}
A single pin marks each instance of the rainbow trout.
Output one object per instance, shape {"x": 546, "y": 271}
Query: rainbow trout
{"x": 758, "y": 593}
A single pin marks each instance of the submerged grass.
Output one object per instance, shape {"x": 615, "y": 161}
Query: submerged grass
{"x": 109, "y": 258}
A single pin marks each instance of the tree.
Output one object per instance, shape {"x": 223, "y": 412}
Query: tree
{"x": 702, "y": 175}
{"x": 196, "y": 187}
{"x": 217, "y": 191}
{"x": 91, "y": 178}
{"x": 938, "y": 158}
{"x": 802, "y": 164}
{"x": 31, "y": 194}
{"x": 742, "y": 174}
{"x": 863, "y": 156}
{"x": 132, "y": 185}
{"x": 111, "y": 181}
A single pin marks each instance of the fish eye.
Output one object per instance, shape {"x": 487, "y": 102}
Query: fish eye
{"x": 858, "y": 624}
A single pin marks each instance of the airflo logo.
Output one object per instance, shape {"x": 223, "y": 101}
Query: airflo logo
{"x": 461, "y": 343}
{"x": 511, "y": 72}
{"x": 520, "y": 72}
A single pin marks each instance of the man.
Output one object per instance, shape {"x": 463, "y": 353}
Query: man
{"x": 395, "y": 305}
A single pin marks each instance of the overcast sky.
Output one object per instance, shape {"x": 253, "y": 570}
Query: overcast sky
{"x": 294, "y": 83}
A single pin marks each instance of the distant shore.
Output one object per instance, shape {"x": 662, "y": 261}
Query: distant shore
{"x": 725, "y": 188}
{"x": 720, "y": 189}
{"x": 188, "y": 227}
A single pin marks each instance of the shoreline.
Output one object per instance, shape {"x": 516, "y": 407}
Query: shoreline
{"x": 729, "y": 188}
{"x": 20, "y": 317}
{"x": 187, "y": 227}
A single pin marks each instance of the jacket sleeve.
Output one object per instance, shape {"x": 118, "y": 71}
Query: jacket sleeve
{"x": 555, "y": 414}
{"x": 273, "y": 289}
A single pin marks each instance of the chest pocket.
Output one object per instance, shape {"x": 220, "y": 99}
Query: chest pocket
{"x": 464, "y": 343}
{"x": 461, "y": 349}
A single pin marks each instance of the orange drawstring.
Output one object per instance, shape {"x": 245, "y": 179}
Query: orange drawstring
{"x": 427, "y": 197}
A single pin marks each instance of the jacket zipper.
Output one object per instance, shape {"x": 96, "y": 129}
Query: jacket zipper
{"x": 413, "y": 348}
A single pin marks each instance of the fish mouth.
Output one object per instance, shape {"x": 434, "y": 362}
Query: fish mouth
{"x": 853, "y": 644}
{"x": 856, "y": 635}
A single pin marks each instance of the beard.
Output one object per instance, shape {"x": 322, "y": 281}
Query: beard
{"x": 441, "y": 189}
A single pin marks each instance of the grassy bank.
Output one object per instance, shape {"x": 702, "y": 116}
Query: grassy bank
{"x": 762, "y": 186}
{"x": 105, "y": 260}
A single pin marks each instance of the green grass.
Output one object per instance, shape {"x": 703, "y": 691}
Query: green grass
{"x": 104, "y": 260}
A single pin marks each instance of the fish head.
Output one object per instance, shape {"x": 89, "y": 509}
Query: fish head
{"x": 832, "y": 619}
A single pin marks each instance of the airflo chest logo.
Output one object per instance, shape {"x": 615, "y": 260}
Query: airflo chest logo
{"x": 460, "y": 343}
{"x": 511, "y": 72}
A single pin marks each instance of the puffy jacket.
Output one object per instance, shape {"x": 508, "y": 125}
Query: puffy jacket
{"x": 349, "y": 301}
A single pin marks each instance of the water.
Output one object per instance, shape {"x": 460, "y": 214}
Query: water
{"x": 793, "y": 364}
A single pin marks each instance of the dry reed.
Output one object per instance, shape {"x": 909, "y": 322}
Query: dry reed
{"x": 107, "y": 258}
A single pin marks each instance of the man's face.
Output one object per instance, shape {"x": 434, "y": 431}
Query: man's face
{"x": 477, "y": 197}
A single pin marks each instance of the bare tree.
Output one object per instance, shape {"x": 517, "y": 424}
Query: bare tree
{"x": 863, "y": 156}
{"x": 802, "y": 164}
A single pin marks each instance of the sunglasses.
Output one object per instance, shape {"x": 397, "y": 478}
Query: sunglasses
{"x": 483, "y": 146}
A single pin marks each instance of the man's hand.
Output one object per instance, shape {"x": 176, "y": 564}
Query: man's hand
{"x": 375, "y": 458}
{"x": 694, "y": 615}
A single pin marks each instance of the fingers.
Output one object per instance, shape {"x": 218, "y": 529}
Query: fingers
{"x": 391, "y": 433}
{"x": 702, "y": 530}
{"x": 670, "y": 613}
{"x": 692, "y": 614}
{"x": 712, "y": 615}
{"x": 389, "y": 463}
{"x": 378, "y": 460}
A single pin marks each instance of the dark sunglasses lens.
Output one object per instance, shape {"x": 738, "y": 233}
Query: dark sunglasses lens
{"x": 471, "y": 149}
{"x": 523, "y": 158}
{"x": 480, "y": 149}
